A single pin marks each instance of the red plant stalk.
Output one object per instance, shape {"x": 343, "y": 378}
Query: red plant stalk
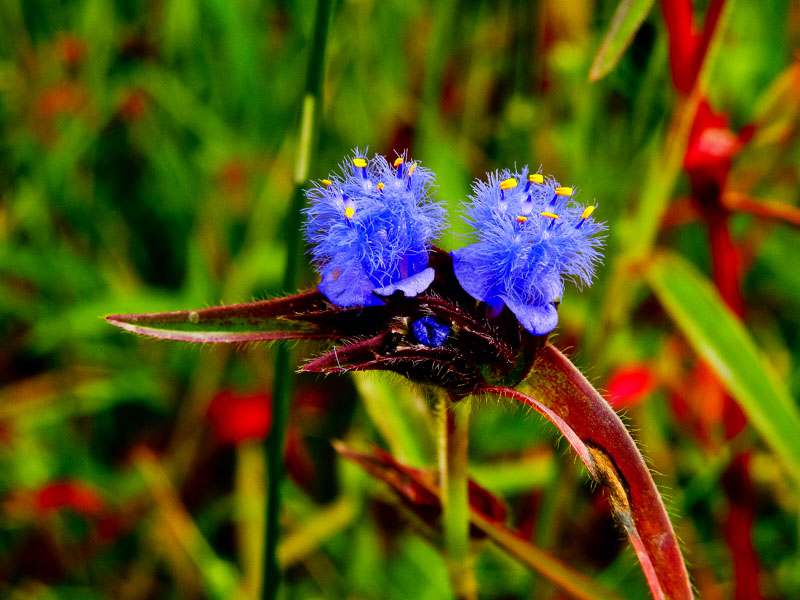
{"x": 558, "y": 391}
{"x": 711, "y": 147}
{"x": 687, "y": 46}
{"x": 708, "y": 159}
{"x": 737, "y": 483}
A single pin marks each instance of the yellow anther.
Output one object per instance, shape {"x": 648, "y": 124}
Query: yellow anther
{"x": 327, "y": 182}
{"x": 411, "y": 169}
{"x": 508, "y": 184}
{"x": 349, "y": 212}
{"x": 360, "y": 162}
{"x": 564, "y": 191}
{"x": 380, "y": 185}
{"x": 522, "y": 218}
{"x": 536, "y": 178}
{"x": 398, "y": 161}
{"x": 587, "y": 212}
{"x": 549, "y": 215}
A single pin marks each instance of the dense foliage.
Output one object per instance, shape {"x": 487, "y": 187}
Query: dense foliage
{"x": 148, "y": 154}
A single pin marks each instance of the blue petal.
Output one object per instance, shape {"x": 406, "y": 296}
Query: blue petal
{"x": 538, "y": 319}
{"x": 469, "y": 265}
{"x": 410, "y": 286}
{"x": 347, "y": 284}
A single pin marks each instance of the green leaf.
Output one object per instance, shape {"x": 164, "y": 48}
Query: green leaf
{"x": 401, "y": 416}
{"x": 721, "y": 339}
{"x": 629, "y": 16}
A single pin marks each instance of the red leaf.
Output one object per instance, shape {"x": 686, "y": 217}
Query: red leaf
{"x": 237, "y": 417}
{"x": 72, "y": 494}
{"x": 417, "y": 489}
{"x": 562, "y": 394}
{"x": 629, "y": 385}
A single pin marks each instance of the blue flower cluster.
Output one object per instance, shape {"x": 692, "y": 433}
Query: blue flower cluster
{"x": 371, "y": 229}
{"x": 530, "y": 235}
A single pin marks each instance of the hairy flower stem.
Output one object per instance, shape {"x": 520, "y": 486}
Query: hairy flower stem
{"x": 453, "y": 436}
{"x": 307, "y": 142}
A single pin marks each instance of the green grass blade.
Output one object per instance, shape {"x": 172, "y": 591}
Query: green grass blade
{"x": 628, "y": 17}
{"x": 400, "y": 415}
{"x": 722, "y": 340}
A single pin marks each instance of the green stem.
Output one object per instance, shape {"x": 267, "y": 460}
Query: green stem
{"x": 453, "y": 462}
{"x": 307, "y": 142}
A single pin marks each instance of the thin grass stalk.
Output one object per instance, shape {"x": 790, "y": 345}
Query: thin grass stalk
{"x": 453, "y": 438}
{"x": 281, "y": 391}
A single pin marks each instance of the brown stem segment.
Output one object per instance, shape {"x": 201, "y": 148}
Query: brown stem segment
{"x": 563, "y": 395}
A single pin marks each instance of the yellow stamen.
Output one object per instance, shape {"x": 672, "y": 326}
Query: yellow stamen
{"x": 327, "y": 182}
{"x": 564, "y": 191}
{"x": 411, "y": 169}
{"x": 360, "y": 162}
{"x": 398, "y": 161}
{"x": 588, "y": 212}
{"x": 522, "y": 219}
{"x": 549, "y": 215}
{"x": 380, "y": 185}
{"x": 508, "y": 184}
{"x": 536, "y": 178}
{"x": 349, "y": 212}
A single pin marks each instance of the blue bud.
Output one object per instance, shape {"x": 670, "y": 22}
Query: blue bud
{"x": 430, "y": 332}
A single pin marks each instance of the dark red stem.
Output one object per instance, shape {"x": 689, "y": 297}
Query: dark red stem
{"x": 736, "y": 480}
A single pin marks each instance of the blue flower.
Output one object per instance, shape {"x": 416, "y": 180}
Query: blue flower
{"x": 371, "y": 229}
{"x": 530, "y": 236}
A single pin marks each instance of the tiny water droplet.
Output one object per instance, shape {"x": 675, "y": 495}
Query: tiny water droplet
{"x": 194, "y": 317}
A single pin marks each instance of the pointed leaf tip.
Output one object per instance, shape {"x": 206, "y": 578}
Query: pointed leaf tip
{"x": 265, "y": 320}
{"x": 628, "y": 18}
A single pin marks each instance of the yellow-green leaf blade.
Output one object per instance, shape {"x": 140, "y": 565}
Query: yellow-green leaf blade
{"x": 628, "y": 17}
{"x": 721, "y": 339}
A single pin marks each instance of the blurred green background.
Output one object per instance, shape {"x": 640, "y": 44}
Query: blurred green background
{"x": 146, "y": 164}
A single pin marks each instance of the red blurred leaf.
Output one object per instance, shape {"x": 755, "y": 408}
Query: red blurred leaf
{"x": 683, "y": 42}
{"x": 629, "y": 385}
{"x": 562, "y": 394}
{"x": 688, "y": 47}
{"x": 72, "y": 494}
{"x": 237, "y": 417}
{"x": 71, "y": 50}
